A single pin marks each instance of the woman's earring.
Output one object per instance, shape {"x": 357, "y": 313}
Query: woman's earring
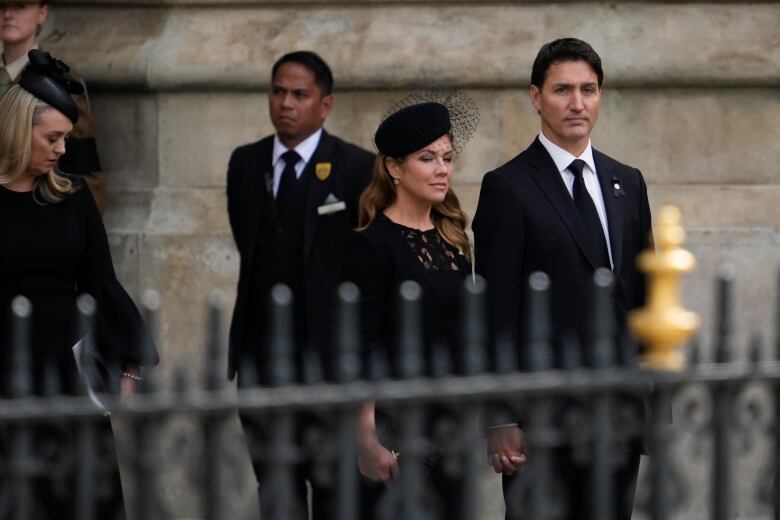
{"x": 396, "y": 181}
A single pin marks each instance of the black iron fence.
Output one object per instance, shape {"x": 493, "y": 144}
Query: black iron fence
{"x": 604, "y": 418}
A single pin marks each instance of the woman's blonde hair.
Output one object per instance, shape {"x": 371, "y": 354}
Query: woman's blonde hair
{"x": 19, "y": 112}
{"x": 450, "y": 221}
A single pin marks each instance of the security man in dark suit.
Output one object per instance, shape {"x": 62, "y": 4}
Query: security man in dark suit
{"x": 566, "y": 209}
{"x": 292, "y": 202}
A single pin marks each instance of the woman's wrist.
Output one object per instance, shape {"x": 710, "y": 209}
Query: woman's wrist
{"x": 130, "y": 375}
{"x": 131, "y": 370}
{"x": 366, "y": 436}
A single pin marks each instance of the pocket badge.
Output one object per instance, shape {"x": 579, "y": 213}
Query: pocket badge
{"x": 322, "y": 170}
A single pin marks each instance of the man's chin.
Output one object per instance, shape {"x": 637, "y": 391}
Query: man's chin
{"x": 577, "y": 134}
{"x": 286, "y": 131}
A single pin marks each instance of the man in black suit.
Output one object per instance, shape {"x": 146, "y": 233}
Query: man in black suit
{"x": 563, "y": 208}
{"x": 292, "y": 202}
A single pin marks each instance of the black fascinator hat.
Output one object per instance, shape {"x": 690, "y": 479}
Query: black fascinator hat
{"x": 49, "y": 80}
{"x": 424, "y": 116}
{"x": 411, "y": 128}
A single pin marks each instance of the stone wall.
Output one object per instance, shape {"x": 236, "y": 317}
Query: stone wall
{"x": 691, "y": 99}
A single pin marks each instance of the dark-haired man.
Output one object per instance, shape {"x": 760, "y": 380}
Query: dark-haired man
{"x": 292, "y": 201}
{"x": 20, "y": 24}
{"x": 566, "y": 209}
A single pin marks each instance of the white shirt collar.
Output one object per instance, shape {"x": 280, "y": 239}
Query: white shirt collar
{"x": 562, "y": 158}
{"x": 15, "y": 67}
{"x": 305, "y": 148}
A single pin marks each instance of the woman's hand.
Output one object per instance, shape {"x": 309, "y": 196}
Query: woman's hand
{"x": 374, "y": 460}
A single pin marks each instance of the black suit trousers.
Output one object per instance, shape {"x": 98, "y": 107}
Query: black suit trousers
{"x": 305, "y": 469}
{"x": 573, "y": 488}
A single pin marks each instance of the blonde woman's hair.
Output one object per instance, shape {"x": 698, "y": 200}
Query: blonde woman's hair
{"x": 450, "y": 221}
{"x": 19, "y": 112}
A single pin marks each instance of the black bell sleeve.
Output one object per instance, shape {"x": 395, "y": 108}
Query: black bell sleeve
{"x": 120, "y": 330}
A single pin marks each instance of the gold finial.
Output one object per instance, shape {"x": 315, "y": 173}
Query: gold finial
{"x": 662, "y": 325}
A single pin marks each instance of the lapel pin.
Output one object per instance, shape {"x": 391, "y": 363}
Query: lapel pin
{"x": 322, "y": 170}
{"x": 617, "y": 188}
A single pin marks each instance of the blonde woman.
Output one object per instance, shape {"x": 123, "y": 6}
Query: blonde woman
{"x": 20, "y": 29}
{"x": 52, "y": 249}
{"x": 411, "y": 228}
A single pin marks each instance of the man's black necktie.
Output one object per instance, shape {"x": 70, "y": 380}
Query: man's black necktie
{"x": 288, "y": 182}
{"x": 589, "y": 216}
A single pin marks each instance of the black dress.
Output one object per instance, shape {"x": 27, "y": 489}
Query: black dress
{"x": 51, "y": 253}
{"x": 378, "y": 260}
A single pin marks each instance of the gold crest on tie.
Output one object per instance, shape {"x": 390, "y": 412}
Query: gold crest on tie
{"x": 322, "y": 170}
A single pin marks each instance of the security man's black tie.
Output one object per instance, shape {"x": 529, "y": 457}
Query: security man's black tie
{"x": 288, "y": 182}
{"x": 589, "y": 216}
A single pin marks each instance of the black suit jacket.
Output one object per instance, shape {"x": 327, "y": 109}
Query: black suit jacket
{"x": 251, "y": 205}
{"x": 526, "y": 221}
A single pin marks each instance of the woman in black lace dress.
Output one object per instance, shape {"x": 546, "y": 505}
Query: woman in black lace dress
{"x": 411, "y": 228}
{"x": 52, "y": 249}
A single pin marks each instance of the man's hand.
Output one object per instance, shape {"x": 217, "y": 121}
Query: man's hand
{"x": 506, "y": 449}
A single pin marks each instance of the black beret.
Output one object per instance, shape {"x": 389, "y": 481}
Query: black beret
{"x": 49, "y": 80}
{"x": 412, "y": 128}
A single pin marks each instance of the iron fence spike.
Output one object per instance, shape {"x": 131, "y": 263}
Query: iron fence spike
{"x": 282, "y": 342}
{"x": 603, "y": 319}
{"x": 411, "y": 332}
{"x": 694, "y": 352}
{"x": 724, "y": 317}
{"x": 247, "y": 376}
{"x": 755, "y": 348}
{"x": 572, "y": 352}
{"x": 538, "y": 323}
{"x": 348, "y": 333}
{"x": 474, "y": 325}
{"x": 441, "y": 361}
{"x": 506, "y": 359}
{"x": 150, "y": 304}
{"x": 21, "y": 377}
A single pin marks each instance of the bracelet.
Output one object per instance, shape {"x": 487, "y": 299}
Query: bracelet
{"x": 132, "y": 376}
{"x": 499, "y": 426}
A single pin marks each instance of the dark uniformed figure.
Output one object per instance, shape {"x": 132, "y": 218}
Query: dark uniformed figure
{"x": 292, "y": 202}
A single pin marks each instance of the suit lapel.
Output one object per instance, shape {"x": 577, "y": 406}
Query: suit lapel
{"x": 318, "y": 188}
{"x": 547, "y": 177}
{"x": 261, "y": 171}
{"x": 613, "y": 202}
